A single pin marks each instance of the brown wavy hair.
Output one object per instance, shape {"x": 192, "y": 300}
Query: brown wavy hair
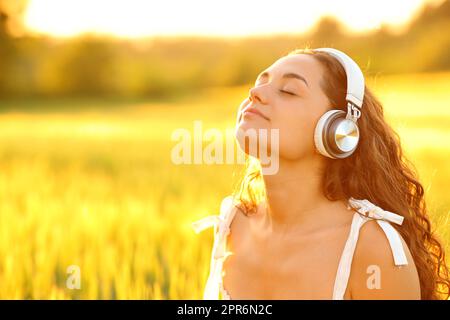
{"x": 391, "y": 182}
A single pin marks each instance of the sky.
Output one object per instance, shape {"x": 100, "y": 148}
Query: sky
{"x": 141, "y": 18}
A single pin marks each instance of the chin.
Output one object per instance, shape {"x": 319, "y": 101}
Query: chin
{"x": 250, "y": 124}
{"x": 248, "y": 136}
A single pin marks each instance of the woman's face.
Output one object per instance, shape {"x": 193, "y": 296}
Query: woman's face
{"x": 288, "y": 97}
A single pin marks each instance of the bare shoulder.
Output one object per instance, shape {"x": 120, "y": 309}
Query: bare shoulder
{"x": 242, "y": 223}
{"x": 239, "y": 217}
{"x": 374, "y": 274}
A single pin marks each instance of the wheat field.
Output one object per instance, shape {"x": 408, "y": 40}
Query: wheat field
{"x": 95, "y": 187}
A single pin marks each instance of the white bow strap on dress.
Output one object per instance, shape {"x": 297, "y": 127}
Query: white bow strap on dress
{"x": 221, "y": 230}
{"x": 372, "y": 211}
{"x": 383, "y": 218}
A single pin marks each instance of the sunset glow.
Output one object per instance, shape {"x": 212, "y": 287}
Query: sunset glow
{"x": 138, "y": 18}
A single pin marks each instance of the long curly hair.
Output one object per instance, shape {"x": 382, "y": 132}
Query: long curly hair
{"x": 391, "y": 182}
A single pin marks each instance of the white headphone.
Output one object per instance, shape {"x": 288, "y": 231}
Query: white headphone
{"x": 336, "y": 135}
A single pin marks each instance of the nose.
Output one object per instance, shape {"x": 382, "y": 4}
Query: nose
{"x": 257, "y": 94}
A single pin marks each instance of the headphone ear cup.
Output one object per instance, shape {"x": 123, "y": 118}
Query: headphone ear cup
{"x": 320, "y": 132}
{"x": 323, "y": 135}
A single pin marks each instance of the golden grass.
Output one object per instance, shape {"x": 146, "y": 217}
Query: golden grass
{"x": 97, "y": 189}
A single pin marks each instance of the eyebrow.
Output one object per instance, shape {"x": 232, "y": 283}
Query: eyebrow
{"x": 288, "y": 75}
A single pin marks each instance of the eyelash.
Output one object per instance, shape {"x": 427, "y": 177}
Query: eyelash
{"x": 283, "y": 91}
{"x": 286, "y": 92}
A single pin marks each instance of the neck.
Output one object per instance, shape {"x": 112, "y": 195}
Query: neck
{"x": 294, "y": 194}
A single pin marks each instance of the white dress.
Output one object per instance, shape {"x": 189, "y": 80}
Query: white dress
{"x": 214, "y": 288}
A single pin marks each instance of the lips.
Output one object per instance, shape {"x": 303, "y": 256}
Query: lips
{"x": 255, "y": 111}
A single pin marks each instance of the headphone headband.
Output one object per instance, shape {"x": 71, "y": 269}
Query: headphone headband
{"x": 355, "y": 77}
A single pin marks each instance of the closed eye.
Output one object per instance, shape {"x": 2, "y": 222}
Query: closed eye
{"x": 287, "y": 92}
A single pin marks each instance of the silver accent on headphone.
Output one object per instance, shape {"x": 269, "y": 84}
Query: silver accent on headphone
{"x": 346, "y": 135}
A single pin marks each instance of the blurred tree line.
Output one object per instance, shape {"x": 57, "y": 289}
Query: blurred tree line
{"x": 41, "y": 66}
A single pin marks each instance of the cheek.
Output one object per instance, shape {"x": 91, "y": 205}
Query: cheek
{"x": 297, "y": 136}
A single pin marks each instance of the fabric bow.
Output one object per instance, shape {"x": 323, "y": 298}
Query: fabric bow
{"x": 372, "y": 211}
{"x": 221, "y": 227}
{"x": 383, "y": 217}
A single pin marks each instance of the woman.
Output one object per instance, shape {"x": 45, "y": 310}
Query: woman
{"x": 341, "y": 221}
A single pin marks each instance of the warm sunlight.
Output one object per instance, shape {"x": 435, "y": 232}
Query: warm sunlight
{"x": 138, "y": 18}
{"x": 125, "y": 122}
